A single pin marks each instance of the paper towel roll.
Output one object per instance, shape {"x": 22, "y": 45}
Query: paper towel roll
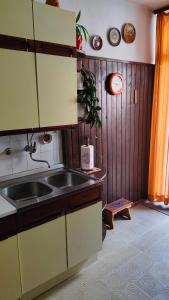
{"x": 87, "y": 157}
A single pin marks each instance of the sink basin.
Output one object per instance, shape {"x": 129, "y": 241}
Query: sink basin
{"x": 64, "y": 180}
{"x": 26, "y": 191}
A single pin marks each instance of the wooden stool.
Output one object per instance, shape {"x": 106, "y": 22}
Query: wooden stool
{"x": 119, "y": 206}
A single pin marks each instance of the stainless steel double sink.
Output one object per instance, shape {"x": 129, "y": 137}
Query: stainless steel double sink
{"x": 39, "y": 187}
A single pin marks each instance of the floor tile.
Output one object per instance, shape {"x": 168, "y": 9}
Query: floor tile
{"x": 133, "y": 264}
{"x": 132, "y": 292}
{"x": 150, "y": 284}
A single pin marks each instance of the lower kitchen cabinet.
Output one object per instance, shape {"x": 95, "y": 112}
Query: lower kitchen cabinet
{"x": 42, "y": 253}
{"x": 84, "y": 233}
{"x": 10, "y": 288}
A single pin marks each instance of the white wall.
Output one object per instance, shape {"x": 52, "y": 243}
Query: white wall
{"x": 19, "y": 160}
{"x": 100, "y": 15}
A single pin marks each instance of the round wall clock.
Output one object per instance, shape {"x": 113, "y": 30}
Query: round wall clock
{"x": 114, "y": 37}
{"x": 116, "y": 84}
{"x": 129, "y": 33}
{"x": 96, "y": 42}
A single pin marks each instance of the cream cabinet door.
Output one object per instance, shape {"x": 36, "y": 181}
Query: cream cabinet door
{"x": 57, "y": 90}
{"x": 54, "y": 24}
{"x": 16, "y": 18}
{"x": 84, "y": 233}
{"x": 18, "y": 92}
{"x": 10, "y": 288}
{"x": 42, "y": 253}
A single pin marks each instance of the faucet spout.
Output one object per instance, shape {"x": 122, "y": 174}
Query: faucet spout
{"x": 31, "y": 148}
{"x": 39, "y": 160}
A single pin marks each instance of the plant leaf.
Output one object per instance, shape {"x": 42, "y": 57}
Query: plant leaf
{"x": 78, "y": 16}
{"x": 84, "y": 33}
{"x": 87, "y": 33}
{"x": 89, "y": 100}
{"x": 78, "y": 32}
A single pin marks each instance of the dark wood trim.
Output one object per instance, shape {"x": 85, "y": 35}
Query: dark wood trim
{"x": 92, "y": 202}
{"x": 64, "y": 148}
{"x": 55, "y": 49}
{"x": 37, "y": 216}
{"x": 31, "y": 130}
{"x": 22, "y": 44}
{"x": 8, "y": 227}
{"x": 15, "y": 43}
{"x": 161, "y": 10}
{"x": 115, "y": 60}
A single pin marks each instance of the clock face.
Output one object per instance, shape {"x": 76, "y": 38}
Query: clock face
{"x": 116, "y": 84}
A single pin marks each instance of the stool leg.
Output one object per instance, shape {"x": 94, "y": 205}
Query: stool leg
{"x": 126, "y": 213}
{"x": 108, "y": 219}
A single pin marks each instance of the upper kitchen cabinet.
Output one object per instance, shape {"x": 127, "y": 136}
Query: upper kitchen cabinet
{"x": 16, "y": 18}
{"x": 57, "y": 90}
{"x": 54, "y": 25}
{"x": 18, "y": 96}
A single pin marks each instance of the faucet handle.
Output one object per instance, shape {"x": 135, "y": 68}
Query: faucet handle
{"x": 8, "y": 151}
{"x": 34, "y": 148}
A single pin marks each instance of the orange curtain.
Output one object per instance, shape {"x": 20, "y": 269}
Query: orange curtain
{"x": 158, "y": 189}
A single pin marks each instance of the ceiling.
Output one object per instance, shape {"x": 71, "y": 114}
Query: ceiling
{"x": 153, "y": 4}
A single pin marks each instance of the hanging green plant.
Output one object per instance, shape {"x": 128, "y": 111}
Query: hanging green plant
{"x": 88, "y": 99}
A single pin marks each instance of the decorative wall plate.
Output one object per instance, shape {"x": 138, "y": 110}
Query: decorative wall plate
{"x": 96, "y": 42}
{"x": 114, "y": 37}
{"x": 116, "y": 84}
{"x": 129, "y": 33}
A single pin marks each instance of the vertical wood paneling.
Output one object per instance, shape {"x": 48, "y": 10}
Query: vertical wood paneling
{"x": 119, "y": 141}
{"x": 132, "y": 119}
{"x": 128, "y": 126}
{"x": 123, "y": 122}
{"x": 99, "y": 155}
{"x": 136, "y": 131}
{"x": 122, "y": 145}
{"x": 109, "y": 139}
{"x": 141, "y": 109}
{"x": 104, "y": 122}
{"x": 114, "y": 138}
{"x": 135, "y": 160}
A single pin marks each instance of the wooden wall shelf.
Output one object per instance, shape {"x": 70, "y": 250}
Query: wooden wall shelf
{"x": 91, "y": 172}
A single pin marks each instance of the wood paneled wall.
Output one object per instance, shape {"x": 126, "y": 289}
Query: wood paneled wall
{"x": 122, "y": 145}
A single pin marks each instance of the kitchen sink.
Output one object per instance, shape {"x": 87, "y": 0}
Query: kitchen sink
{"x": 26, "y": 191}
{"x": 37, "y": 188}
{"x": 67, "y": 179}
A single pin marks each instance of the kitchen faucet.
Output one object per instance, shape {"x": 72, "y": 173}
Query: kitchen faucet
{"x": 31, "y": 148}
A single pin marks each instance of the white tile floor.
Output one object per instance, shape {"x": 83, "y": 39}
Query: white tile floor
{"x": 133, "y": 264}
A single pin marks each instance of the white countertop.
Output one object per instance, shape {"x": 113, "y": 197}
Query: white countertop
{"x": 6, "y": 208}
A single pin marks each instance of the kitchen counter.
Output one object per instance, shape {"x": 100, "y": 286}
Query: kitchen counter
{"x": 6, "y": 208}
